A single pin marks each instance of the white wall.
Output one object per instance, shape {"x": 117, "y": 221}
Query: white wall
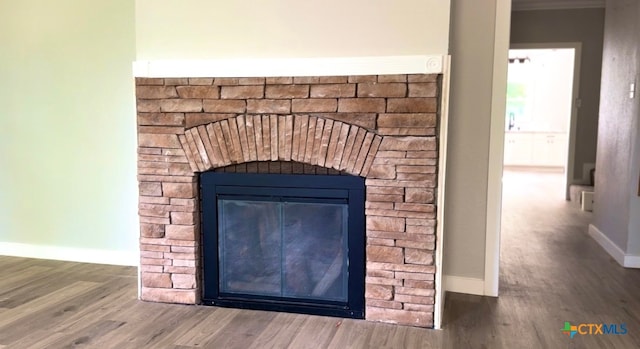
{"x": 469, "y": 124}
{"x": 204, "y": 29}
{"x": 479, "y": 49}
{"x": 67, "y": 130}
{"x": 67, "y": 146}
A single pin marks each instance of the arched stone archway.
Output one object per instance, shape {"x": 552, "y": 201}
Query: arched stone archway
{"x": 306, "y": 139}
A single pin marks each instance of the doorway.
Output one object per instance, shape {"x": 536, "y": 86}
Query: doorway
{"x": 538, "y": 112}
{"x": 496, "y": 166}
{"x": 542, "y": 103}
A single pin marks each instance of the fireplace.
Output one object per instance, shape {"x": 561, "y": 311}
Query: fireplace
{"x": 284, "y": 242}
{"x": 378, "y": 129}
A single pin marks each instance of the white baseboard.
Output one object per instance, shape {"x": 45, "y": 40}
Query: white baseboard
{"x": 466, "y": 285}
{"x": 625, "y": 260}
{"x": 631, "y": 261}
{"x": 72, "y": 254}
{"x": 612, "y": 249}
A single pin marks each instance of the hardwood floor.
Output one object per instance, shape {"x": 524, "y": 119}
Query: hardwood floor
{"x": 551, "y": 272}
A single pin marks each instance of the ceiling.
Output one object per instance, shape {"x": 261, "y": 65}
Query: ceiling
{"x": 522, "y": 5}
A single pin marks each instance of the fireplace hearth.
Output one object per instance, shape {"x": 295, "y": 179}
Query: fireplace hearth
{"x": 380, "y": 130}
{"x": 284, "y": 242}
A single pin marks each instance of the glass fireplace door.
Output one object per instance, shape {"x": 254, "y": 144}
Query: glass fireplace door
{"x": 283, "y": 249}
{"x": 283, "y": 242}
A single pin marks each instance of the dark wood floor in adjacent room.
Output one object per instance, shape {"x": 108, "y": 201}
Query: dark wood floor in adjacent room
{"x": 551, "y": 272}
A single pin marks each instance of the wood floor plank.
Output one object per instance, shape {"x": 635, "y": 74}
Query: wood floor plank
{"x": 211, "y": 327}
{"x": 241, "y": 330}
{"x": 315, "y": 332}
{"x": 146, "y": 334}
{"x": 39, "y": 304}
{"x": 280, "y": 331}
{"x": 31, "y": 283}
{"x": 169, "y": 334}
{"x": 87, "y": 337}
{"x": 12, "y": 279}
{"x": 118, "y": 299}
{"x": 37, "y": 339}
{"x": 66, "y": 311}
{"x": 351, "y": 335}
{"x": 385, "y": 336}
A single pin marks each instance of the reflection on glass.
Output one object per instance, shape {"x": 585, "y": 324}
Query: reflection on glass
{"x": 249, "y": 247}
{"x": 283, "y": 249}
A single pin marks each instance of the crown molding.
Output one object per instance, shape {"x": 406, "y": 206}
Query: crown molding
{"x": 529, "y": 5}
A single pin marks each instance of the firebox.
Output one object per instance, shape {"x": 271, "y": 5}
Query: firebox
{"x": 279, "y": 242}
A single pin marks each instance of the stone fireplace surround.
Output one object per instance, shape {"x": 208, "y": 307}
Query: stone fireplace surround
{"x": 380, "y": 127}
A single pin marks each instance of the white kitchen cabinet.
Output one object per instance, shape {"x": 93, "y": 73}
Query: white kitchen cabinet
{"x": 549, "y": 149}
{"x": 535, "y": 149}
{"x": 518, "y": 148}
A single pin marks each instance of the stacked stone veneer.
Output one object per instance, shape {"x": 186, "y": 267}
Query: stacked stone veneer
{"x": 380, "y": 127}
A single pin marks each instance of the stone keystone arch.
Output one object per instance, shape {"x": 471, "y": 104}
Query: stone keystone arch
{"x": 302, "y": 138}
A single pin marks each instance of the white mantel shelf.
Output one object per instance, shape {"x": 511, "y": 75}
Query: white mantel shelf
{"x": 418, "y": 64}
